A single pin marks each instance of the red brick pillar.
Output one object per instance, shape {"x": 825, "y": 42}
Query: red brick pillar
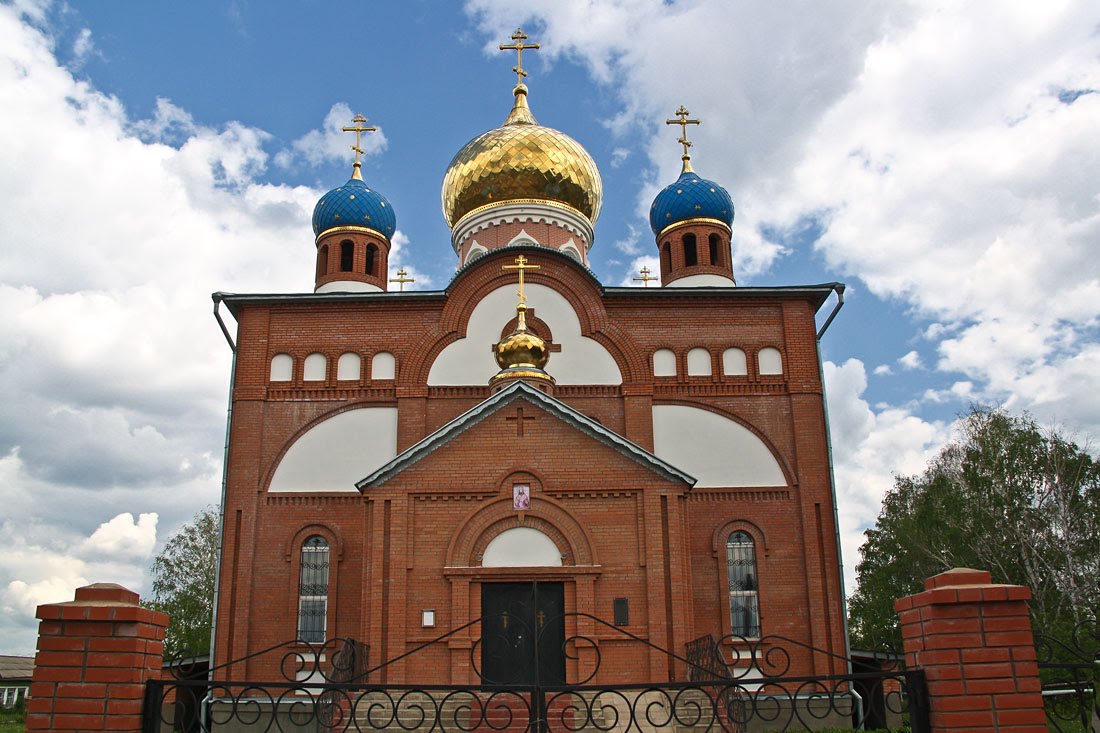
{"x": 973, "y": 640}
{"x": 94, "y": 656}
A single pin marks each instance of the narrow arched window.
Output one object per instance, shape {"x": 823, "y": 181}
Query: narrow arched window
{"x": 691, "y": 253}
{"x": 322, "y": 262}
{"x": 666, "y": 258}
{"x": 313, "y": 590}
{"x": 347, "y": 254}
{"x": 715, "y": 250}
{"x": 372, "y": 259}
{"x": 743, "y": 590}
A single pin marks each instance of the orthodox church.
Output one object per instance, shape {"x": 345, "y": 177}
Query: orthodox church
{"x": 618, "y": 470}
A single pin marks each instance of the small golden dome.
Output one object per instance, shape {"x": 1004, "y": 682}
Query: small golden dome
{"x": 521, "y": 160}
{"x": 521, "y": 348}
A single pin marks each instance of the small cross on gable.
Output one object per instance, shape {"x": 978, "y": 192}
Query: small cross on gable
{"x": 520, "y": 419}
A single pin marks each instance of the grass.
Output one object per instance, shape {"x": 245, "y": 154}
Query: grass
{"x": 13, "y": 720}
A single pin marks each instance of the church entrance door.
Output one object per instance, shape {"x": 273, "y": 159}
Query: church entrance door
{"x": 523, "y": 633}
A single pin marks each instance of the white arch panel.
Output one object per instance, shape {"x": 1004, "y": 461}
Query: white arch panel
{"x": 337, "y": 452}
{"x": 712, "y": 448}
{"x": 470, "y": 361}
{"x": 521, "y": 547}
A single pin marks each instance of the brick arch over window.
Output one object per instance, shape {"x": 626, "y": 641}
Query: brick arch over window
{"x": 477, "y": 530}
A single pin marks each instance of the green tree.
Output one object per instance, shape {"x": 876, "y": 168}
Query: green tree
{"x": 1008, "y": 497}
{"x": 183, "y": 584}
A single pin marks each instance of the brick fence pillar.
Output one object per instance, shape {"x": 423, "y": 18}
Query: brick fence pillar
{"x": 973, "y": 640}
{"x": 95, "y": 655}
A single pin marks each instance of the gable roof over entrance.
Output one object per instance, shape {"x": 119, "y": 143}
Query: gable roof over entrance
{"x": 510, "y": 394}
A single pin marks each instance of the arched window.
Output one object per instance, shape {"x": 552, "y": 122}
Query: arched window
{"x": 372, "y": 259}
{"x": 666, "y": 258}
{"x": 282, "y": 368}
{"x": 715, "y": 250}
{"x": 770, "y": 361}
{"x": 382, "y": 366}
{"x": 322, "y": 261}
{"x": 664, "y": 363}
{"x": 314, "y": 368}
{"x": 347, "y": 253}
{"x": 734, "y": 363}
{"x": 691, "y": 253}
{"x": 741, "y": 569}
{"x": 313, "y": 590}
{"x": 348, "y": 366}
{"x": 698, "y": 363}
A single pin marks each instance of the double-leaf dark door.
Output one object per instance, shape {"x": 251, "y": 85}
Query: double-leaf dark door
{"x": 523, "y": 633}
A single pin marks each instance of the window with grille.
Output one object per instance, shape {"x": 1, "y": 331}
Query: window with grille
{"x": 313, "y": 590}
{"x": 741, "y": 567}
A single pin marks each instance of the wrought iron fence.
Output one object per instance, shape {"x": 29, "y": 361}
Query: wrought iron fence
{"x": 730, "y": 685}
{"x": 1069, "y": 667}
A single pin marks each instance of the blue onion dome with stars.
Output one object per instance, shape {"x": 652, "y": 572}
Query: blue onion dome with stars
{"x": 354, "y": 205}
{"x": 691, "y": 196}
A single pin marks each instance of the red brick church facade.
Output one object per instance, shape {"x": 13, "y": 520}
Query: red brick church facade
{"x": 671, "y": 454}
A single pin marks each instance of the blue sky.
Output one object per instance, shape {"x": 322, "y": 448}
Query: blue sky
{"x": 939, "y": 158}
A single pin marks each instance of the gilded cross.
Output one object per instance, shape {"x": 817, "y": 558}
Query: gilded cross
{"x": 645, "y": 278}
{"x": 520, "y": 418}
{"x": 683, "y": 122}
{"x": 521, "y": 265}
{"x": 519, "y": 37}
{"x": 359, "y": 129}
{"x": 402, "y": 277}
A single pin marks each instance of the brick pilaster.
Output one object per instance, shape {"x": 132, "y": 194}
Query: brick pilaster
{"x": 95, "y": 654}
{"x": 973, "y": 640}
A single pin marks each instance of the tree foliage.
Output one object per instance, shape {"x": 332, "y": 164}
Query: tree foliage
{"x": 183, "y": 584}
{"x": 1009, "y": 497}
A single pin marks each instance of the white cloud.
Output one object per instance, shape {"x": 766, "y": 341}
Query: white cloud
{"x": 113, "y": 373}
{"x": 910, "y": 361}
{"x": 883, "y": 370}
{"x": 870, "y": 446}
{"x": 399, "y": 258}
{"x": 123, "y": 536}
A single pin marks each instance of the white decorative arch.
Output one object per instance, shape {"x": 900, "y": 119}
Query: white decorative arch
{"x": 521, "y": 547}
{"x": 714, "y": 449}
{"x": 335, "y": 453}
{"x": 469, "y": 360}
{"x": 475, "y": 251}
{"x": 770, "y": 361}
{"x": 314, "y": 368}
{"x": 349, "y": 366}
{"x": 522, "y": 238}
{"x": 734, "y": 363}
{"x": 282, "y": 368}
{"x": 698, "y": 363}
{"x": 570, "y": 248}
{"x": 664, "y": 363}
{"x": 382, "y": 366}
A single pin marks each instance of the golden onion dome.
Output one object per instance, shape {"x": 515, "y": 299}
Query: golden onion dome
{"x": 521, "y": 160}
{"x": 521, "y": 348}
